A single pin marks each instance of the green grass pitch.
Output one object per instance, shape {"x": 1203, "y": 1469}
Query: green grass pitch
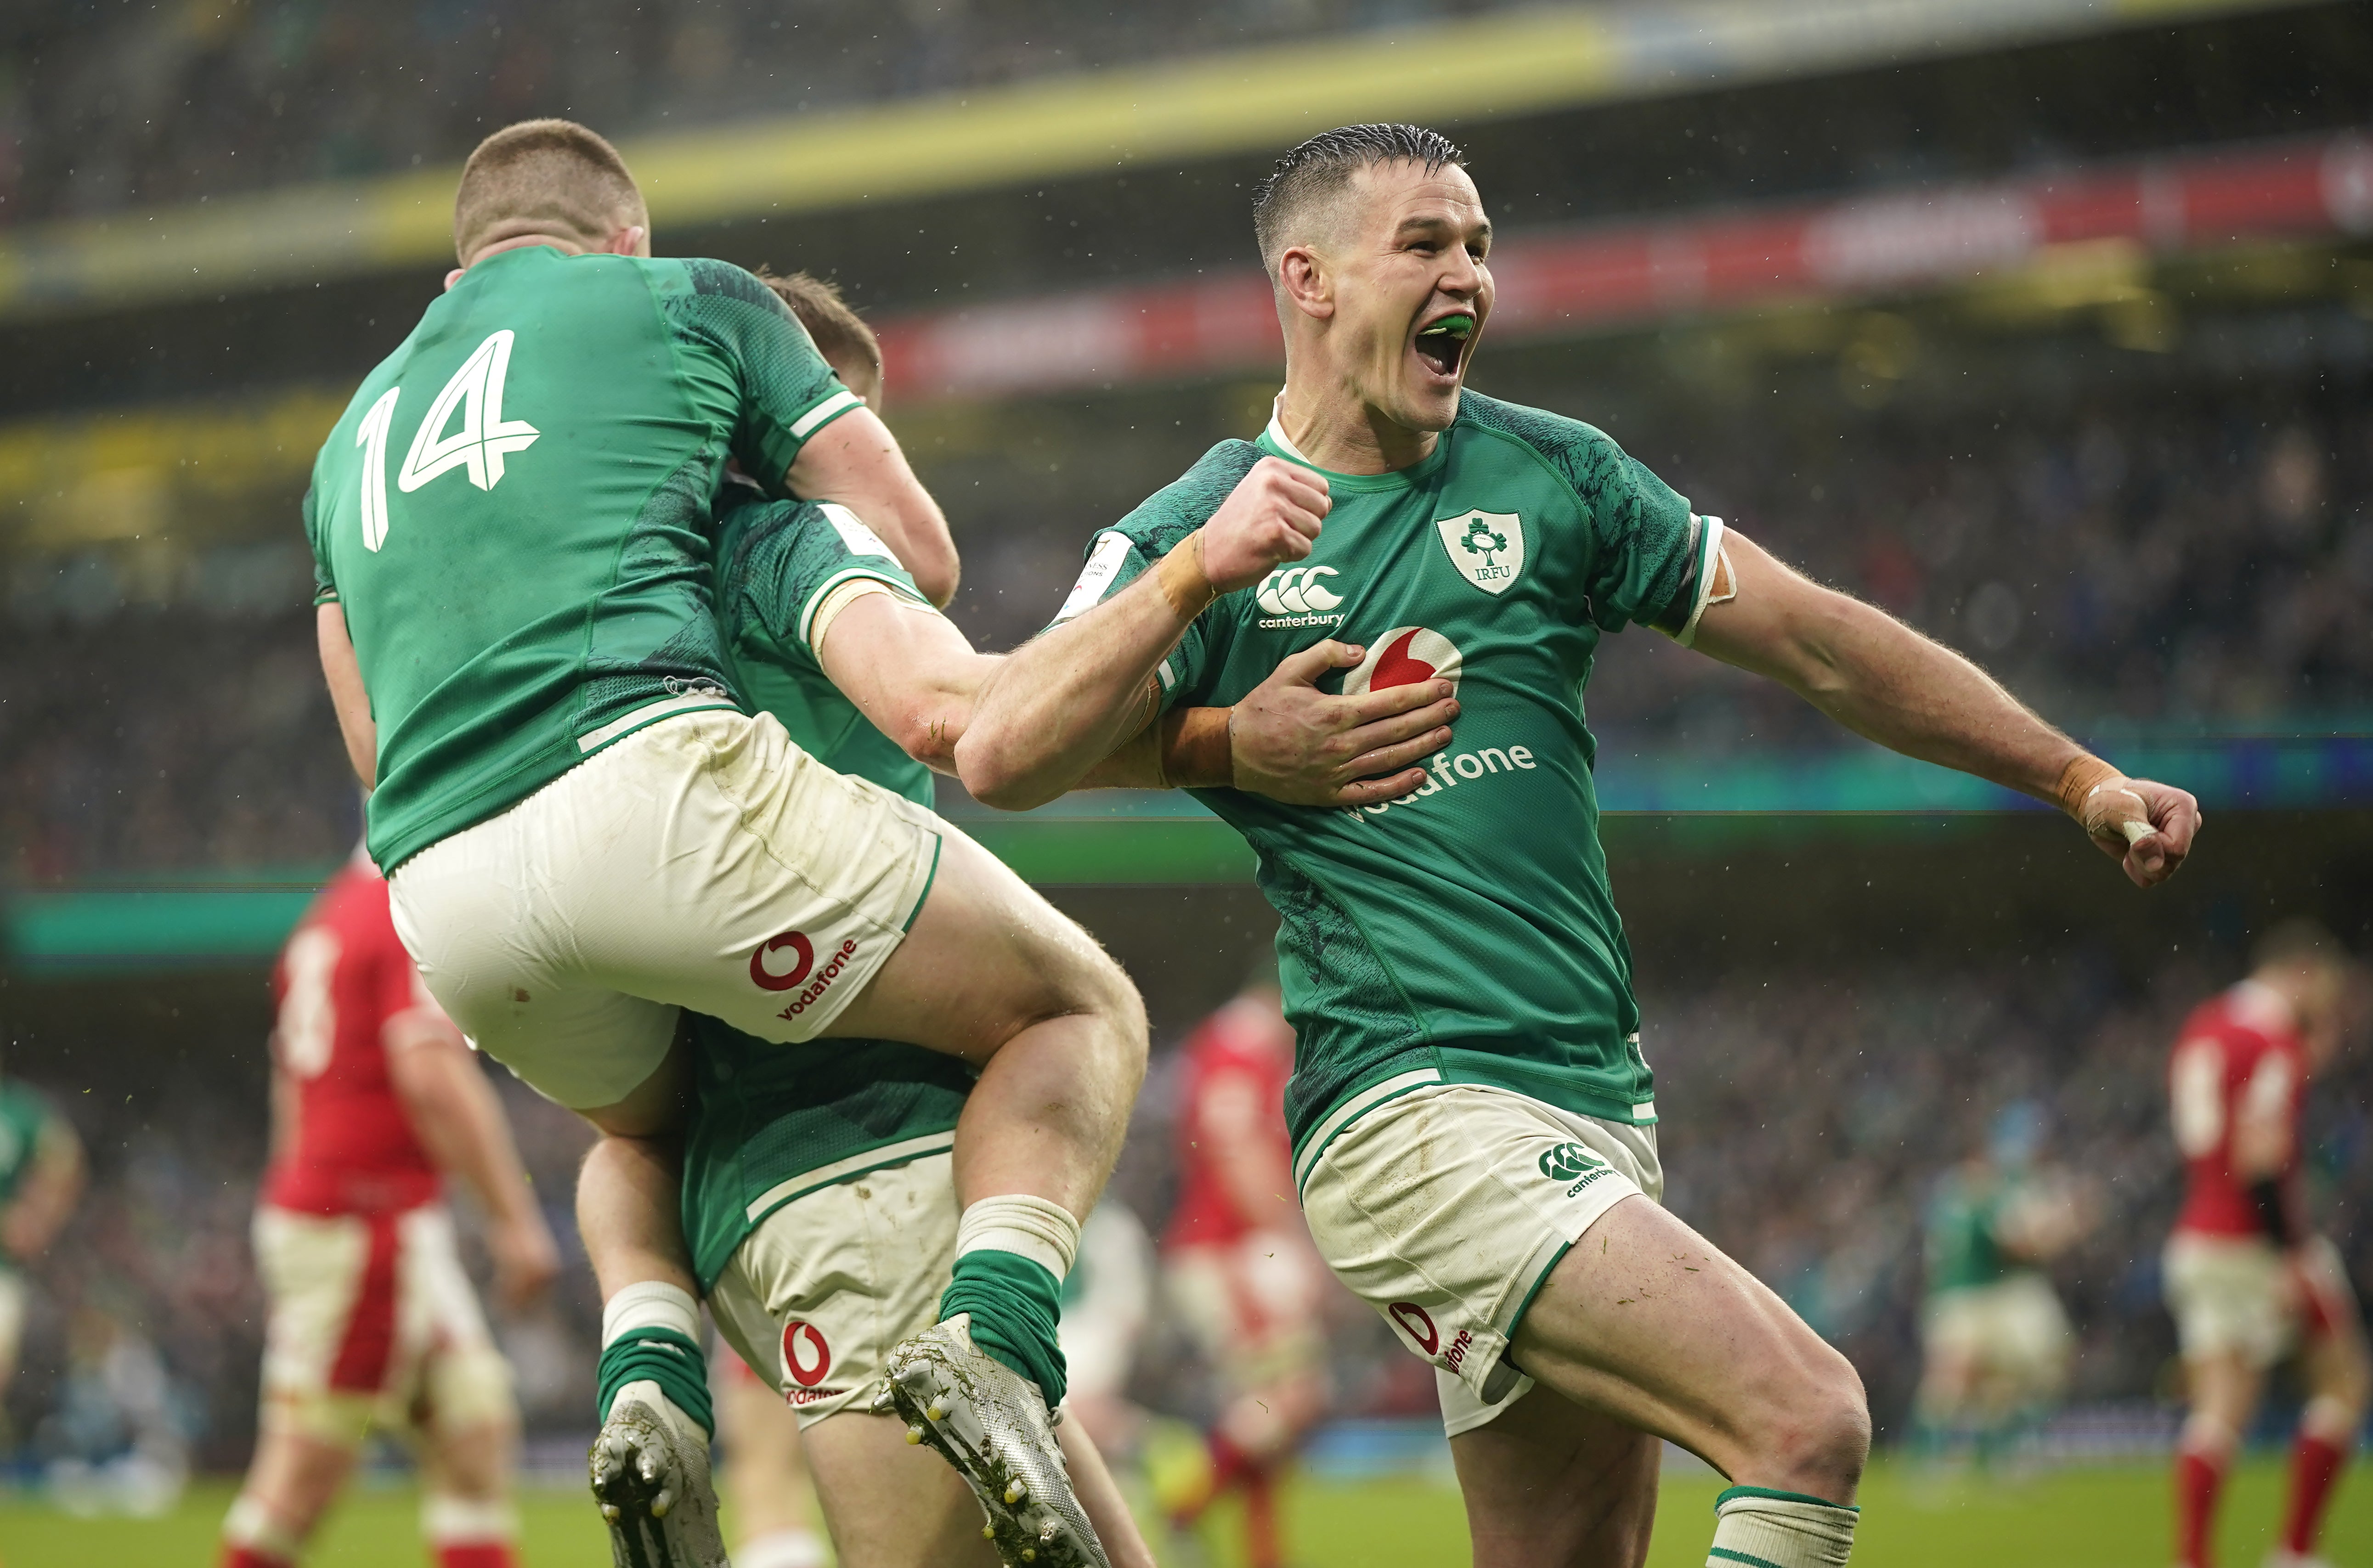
{"x": 2082, "y": 1518}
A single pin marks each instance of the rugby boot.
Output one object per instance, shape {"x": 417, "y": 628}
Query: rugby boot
{"x": 991, "y": 1424}
{"x": 651, "y": 1476}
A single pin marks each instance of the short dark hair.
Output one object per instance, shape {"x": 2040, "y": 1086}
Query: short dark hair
{"x": 2299, "y": 941}
{"x": 1322, "y": 166}
{"x": 840, "y": 333}
{"x": 555, "y": 173}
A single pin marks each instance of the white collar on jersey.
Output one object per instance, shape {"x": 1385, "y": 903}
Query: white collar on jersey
{"x": 1276, "y": 436}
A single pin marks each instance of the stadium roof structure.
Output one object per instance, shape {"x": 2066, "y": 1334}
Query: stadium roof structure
{"x": 1450, "y": 73}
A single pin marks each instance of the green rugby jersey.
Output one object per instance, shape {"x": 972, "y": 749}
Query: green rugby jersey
{"x": 773, "y": 1123}
{"x": 1963, "y": 1217}
{"x": 23, "y": 1115}
{"x": 1466, "y": 933}
{"x": 514, "y": 514}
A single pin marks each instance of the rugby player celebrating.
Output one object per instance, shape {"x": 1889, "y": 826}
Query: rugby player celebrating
{"x": 1471, "y": 1113}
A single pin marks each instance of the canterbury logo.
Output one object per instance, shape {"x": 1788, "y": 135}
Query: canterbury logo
{"x": 1296, "y": 590}
{"x": 1568, "y": 1161}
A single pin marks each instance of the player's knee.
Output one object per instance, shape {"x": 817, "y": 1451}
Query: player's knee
{"x": 1822, "y": 1440}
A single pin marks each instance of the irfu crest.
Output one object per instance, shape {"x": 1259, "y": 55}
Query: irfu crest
{"x": 1487, "y": 548}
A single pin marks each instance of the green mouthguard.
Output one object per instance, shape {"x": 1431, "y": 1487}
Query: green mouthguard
{"x": 1457, "y": 326}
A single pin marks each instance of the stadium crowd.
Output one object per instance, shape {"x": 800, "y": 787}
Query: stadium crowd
{"x": 159, "y": 106}
{"x": 2157, "y": 559}
{"x": 1808, "y": 1120}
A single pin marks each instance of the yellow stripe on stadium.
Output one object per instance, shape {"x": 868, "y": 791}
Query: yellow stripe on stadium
{"x": 1052, "y": 127}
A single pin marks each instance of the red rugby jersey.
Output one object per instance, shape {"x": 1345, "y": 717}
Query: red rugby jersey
{"x": 1237, "y": 1063}
{"x": 2238, "y": 1063}
{"x": 342, "y": 977}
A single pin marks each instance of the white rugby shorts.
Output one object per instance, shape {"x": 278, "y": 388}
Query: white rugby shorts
{"x": 2240, "y": 1294}
{"x": 1445, "y": 1210}
{"x": 373, "y": 1323}
{"x": 2014, "y": 1330}
{"x": 705, "y": 863}
{"x": 814, "y": 1298}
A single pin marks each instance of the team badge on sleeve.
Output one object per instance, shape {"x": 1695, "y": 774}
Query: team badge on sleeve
{"x": 1487, "y": 548}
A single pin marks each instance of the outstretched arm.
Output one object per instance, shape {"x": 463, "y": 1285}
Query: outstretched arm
{"x": 856, "y": 461}
{"x": 1886, "y": 682}
{"x": 1064, "y": 701}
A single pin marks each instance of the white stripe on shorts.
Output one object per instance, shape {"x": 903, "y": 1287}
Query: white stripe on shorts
{"x": 689, "y": 702}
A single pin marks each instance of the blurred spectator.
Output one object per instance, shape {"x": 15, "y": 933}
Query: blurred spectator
{"x": 2167, "y": 557}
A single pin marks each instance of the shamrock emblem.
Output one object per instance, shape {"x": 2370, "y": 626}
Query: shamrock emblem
{"x": 1478, "y": 530}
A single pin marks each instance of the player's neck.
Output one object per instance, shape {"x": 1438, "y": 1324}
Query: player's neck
{"x": 559, "y": 243}
{"x": 1330, "y": 426}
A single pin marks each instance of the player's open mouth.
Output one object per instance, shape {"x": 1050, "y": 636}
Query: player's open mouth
{"x": 1443, "y": 341}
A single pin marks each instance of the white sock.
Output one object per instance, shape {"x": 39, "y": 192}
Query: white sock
{"x": 1044, "y": 1232}
{"x": 462, "y": 1521}
{"x": 250, "y": 1525}
{"x": 650, "y": 1304}
{"x": 781, "y": 1548}
{"x": 1759, "y": 1528}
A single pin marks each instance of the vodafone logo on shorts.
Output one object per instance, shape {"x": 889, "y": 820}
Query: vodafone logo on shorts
{"x": 782, "y": 962}
{"x": 805, "y": 1355}
{"x": 1416, "y": 1323}
{"x": 764, "y": 974}
{"x": 1404, "y": 656}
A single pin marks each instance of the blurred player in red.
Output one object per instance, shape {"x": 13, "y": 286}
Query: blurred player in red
{"x": 2246, "y": 1279}
{"x": 1239, "y": 1262}
{"x": 376, "y": 1098}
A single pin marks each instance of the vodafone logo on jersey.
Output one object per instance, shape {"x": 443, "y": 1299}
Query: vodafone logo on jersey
{"x": 806, "y": 1356}
{"x": 1403, "y": 656}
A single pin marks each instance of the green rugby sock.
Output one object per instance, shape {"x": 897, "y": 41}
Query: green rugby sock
{"x": 660, "y": 1356}
{"x": 650, "y": 1333}
{"x": 1011, "y": 1254}
{"x": 1756, "y": 1527}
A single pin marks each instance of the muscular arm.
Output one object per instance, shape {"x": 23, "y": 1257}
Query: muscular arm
{"x": 346, "y": 678}
{"x": 1064, "y": 701}
{"x": 459, "y": 1121}
{"x": 51, "y": 1189}
{"x": 856, "y": 461}
{"x": 1888, "y": 684}
{"x": 914, "y": 675}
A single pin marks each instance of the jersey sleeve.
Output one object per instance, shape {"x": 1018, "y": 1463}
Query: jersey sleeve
{"x": 1650, "y": 558}
{"x": 789, "y": 559}
{"x": 1125, "y": 552}
{"x": 325, "y": 588}
{"x": 788, "y": 391}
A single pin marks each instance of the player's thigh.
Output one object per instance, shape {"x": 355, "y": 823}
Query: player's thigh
{"x": 1647, "y": 1321}
{"x": 986, "y": 957}
{"x": 13, "y": 1299}
{"x": 1548, "y": 1484}
{"x": 331, "y": 1327}
{"x": 888, "y": 1502}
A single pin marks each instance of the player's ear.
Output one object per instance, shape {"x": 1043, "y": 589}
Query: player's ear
{"x": 1302, "y": 277}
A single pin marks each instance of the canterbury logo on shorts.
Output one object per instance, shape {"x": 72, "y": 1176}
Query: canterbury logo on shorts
{"x": 1568, "y": 1161}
